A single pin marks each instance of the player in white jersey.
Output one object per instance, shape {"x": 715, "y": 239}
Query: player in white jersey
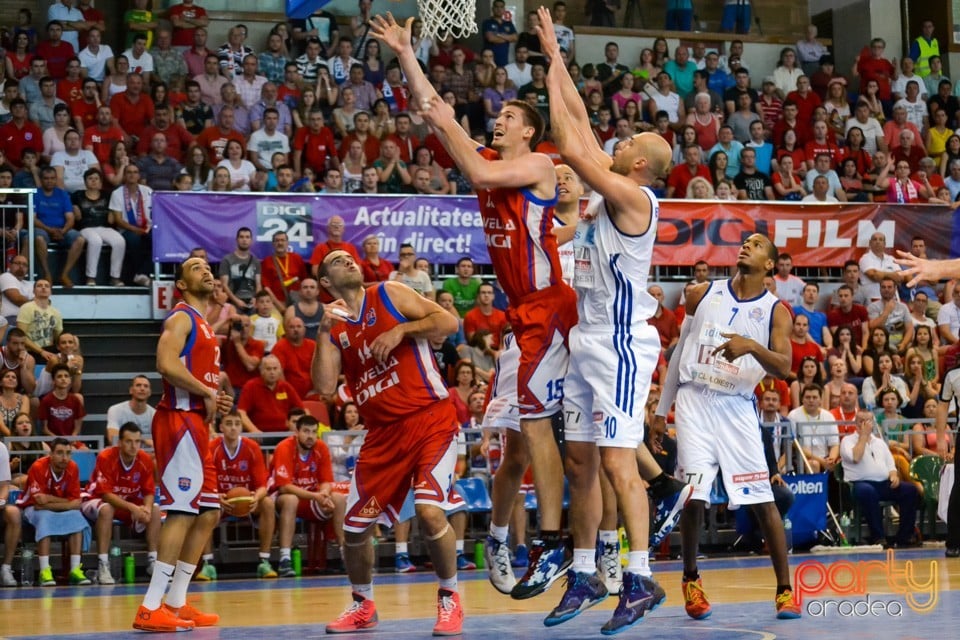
{"x": 613, "y": 351}
{"x": 735, "y": 332}
{"x": 566, "y": 215}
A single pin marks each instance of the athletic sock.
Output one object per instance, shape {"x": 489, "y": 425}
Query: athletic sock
{"x": 499, "y": 533}
{"x": 158, "y": 584}
{"x": 103, "y": 558}
{"x": 401, "y": 547}
{"x": 584, "y": 561}
{"x": 638, "y": 563}
{"x": 74, "y": 562}
{"x": 284, "y": 553}
{"x": 608, "y": 537}
{"x": 551, "y": 539}
{"x": 363, "y": 590}
{"x": 44, "y": 562}
{"x": 152, "y": 555}
{"x": 208, "y": 558}
{"x": 177, "y": 596}
{"x": 264, "y": 555}
{"x": 450, "y": 584}
{"x": 459, "y": 547}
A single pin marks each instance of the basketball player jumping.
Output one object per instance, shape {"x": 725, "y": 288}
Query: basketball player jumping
{"x": 517, "y": 192}
{"x": 383, "y": 351}
{"x": 734, "y": 334}
{"x": 613, "y": 342}
{"x": 188, "y": 358}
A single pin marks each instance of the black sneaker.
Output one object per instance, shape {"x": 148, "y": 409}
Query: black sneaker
{"x": 546, "y": 567}
{"x": 952, "y": 552}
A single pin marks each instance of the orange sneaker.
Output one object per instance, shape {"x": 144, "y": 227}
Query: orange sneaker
{"x": 696, "y": 600}
{"x": 162, "y": 620}
{"x": 200, "y": 619}
{"x": 787, "y": 608}
{"x": 449, "y": 614}
{"x": 361, "y": 615}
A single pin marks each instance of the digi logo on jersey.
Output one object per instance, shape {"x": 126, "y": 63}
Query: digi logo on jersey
{"x": 498, "y": 233}
{"x": 296, "y": 220}
{"x": 376, "y": 380}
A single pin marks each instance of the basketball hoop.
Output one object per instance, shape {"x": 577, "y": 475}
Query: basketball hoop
{"x": 455, "y": 17}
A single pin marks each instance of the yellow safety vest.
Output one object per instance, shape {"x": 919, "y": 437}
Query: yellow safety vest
{"x": 927, "y": 49}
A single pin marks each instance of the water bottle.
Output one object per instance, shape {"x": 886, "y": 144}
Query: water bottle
{"x": 129, "y": 569}
{"x": 478, "y": 558}
{"x": 845, "y": 526}
{"x": 116, "y": 562}
{"x": 297, "y": 561}
{"x": 788, "y": 534}
{"x": 27, "y": 568}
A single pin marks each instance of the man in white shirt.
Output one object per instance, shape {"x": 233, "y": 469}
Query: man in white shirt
{"x": 821, "y": 192}
{"x": 95, "y": 56}
{"x": 948, "y": 318}
{"x": 267, "y": 141}
{"x": 140, "y": 61}
{"x": 789, "y": 286}
{"x": 868, "y": 464}
{"x": 816, "y": 429}
{"x": 875, "y": 265}
{"x": 16, "y": 289}
{"x": 409, "y": 275}
{"x": 135, "y": 410}
{"x": 899, "y": 86}
{"x": 520, "y": 72}
{"x": 888, "y": 312}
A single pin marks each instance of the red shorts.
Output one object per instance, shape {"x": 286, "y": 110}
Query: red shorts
{"x": 422, "y": 449}
{"x": 91, "y": 510}
{"x": 310, "y": 511}
{"x": 188, "y": 478}
{"x": 343, "y": 488}
{"x": 541, "y": 323}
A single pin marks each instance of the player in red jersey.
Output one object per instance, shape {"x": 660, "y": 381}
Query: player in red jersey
{"x": 300, "y": 477}
{"x": 517, "y": 190}
{"x": 240, "y": 463}
{"x": 383, "y": 351}
{"x": 122, "y": 488}
{"x": 188, "y": 359}
{"x": 51, "y": 503}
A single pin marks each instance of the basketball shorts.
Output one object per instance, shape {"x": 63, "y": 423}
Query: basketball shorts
{"x": 607, "y": 385}
{"x": 541, "y": 323}
{"x": 420, "y": 450}
{"x": 409, "y": 508}
{"x": 91, "y": 509}
{"x": 720, "y": 432}
{"x": 502, "y": 412}
{"x": 310, "y": 511}
{"x": 188, "y": 478}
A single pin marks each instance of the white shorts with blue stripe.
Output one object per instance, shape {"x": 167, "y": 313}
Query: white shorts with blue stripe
{"x": 607, "y": 384}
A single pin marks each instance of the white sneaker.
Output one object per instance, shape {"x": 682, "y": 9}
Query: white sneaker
{"x": 141, "y": 280}
{"x": 609, "y": 567}
{"x": 103, "y": 574}
{"x": 497, "y": 555}
{"x": 6, "y": 577}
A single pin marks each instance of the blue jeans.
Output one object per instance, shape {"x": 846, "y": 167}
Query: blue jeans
{"x": 736, "y": 18}
{"x": 68, "y": 238}
{"x": 869, "y": 493}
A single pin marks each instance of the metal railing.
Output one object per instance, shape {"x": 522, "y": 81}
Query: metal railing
{"x": 28, "y": 221}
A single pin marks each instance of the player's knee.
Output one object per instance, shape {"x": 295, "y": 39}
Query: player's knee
{"x": 267, "y": 507}
{"x": 287, "y": 503}
{"x": 432, "y": 519}
{"x": 11, "y": 515}
{"x": 106, "y": 512}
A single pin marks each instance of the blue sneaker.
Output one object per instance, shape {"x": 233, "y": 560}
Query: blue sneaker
{"x": 521, "y": 557}
{"x": 497, "y": 555}
{"x": 668, "y": 512}
{"x": 403, "y": 564}
{"x": 464, "y": 563}
{"x": 638, "y": 596}
{"x": 583, "y": 591}
{"x": 546, "y": 567}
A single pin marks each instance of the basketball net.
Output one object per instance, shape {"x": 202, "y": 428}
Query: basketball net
{"x": 456, "y": 17}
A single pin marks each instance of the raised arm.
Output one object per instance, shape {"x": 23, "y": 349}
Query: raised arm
{"x": 397, "y": 37}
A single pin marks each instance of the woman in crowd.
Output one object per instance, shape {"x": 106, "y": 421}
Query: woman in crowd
{"x": 479, "y": 351}
{"x": 352, "y": 167}
{"x": 624, "y": 94}
{"x": 700, "y": 189}
{"x": 197, "y": 166}
{"x": 786, "y": 74}
{"x": 790, "y": 148}
{"x": 631, "y": 111}
{"x": 484, "y": 69}
{"x": 308, "y": 103}
{"x": 594, "y": 103}
{"x": 718, "y": 168}
{"x": 91, "y": 215}
{"x": 834, "y": 385}
{"x": 12, "y": 402}
{"x": 686, "y": 137}
{"x": 242, "y": 171}
{"x": 951, "y": 152}
{"x": 159, "y": 94}
{"x": 220, "y": 180}
{"x": 937, "y": 135}
{"x": 500, "y": 90}
{"x": 661, "y": 52}
{"x": 852, "y": 182}
{"x": 846, "y": 350}
{"x": 53, "y": 136}
{"x": 924, "y": 436}
{"x": 372, "y": 63}
{"x": 726, "y": 190}
{"x": 883, "y": 378}
{"x": 925, "y": 345}
{"x": 871, "y": 96}
{"x": 423, "y": 159}
{"x": 220, "y": 314}
{"x": 17, "y": 62}
{"x": 382, "y": 123}
{"x": 853, "y": 149}
{"x": 326, "y": 92}
{"x": 879, "y": 343}
{"x": 919, "y": 387}
{"x": 118, "y": 161}
{"x": 837, "y": 106}
{"x": 116, "y": 82}
{"x": 344, "y": 447}
{"x": 787, "y": 184}
{"x": 343, "y": 115}
{"x": 646, "y": 70}
{"x": 809, "y": 372}
{"x": 23, "y": 455}
{"x": 465, "y": 383}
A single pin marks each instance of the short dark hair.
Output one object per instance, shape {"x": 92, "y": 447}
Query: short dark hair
{"x": 306, "y": 420}
{"x": 128, "y": 427}
{"x": 531, "y": 118}
{"x": 59, "y": 442}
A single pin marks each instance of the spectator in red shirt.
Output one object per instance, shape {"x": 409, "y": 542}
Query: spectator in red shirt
{"x": 300, "y": 478}
{"x": 55, "y": 50}
{"x": 314, "y": 146}
{"x": 122, "y": 488}
{"x": 295, "y": 353}
{"x": 242, "y": 354}
{"x": 132, "y": 109}
{"x": 664, "y": 320}
{"x": 407, "y": 142}
{"x": 334, "y": 242}
{"x": 802, "y": 346}
{"x": 790, "y": 121}
{"x": 51, "y": 501}
{"x": 178, "y": 138}
{"x": 20, "y": 134}
{"x": 61, "y": 412}
{"x": 186, "y": 17}
{"x": 375, "y": 268}
{"x": 849, "y": 314}
{"x": 871, "y": 65}
{"x": 822, "y": 142}
{"x": 282, "y": 273}
{"x": 682, "y": 174}
{"x": 361, "y": 132}
{"x": 103, "y": 137}
{"x": 485, "y": 316}
{"x": 265, "y": 400}
{"x": 215, "y": 138}
{"x": 805, "y": 99}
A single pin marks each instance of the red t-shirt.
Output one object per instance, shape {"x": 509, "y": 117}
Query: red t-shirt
{"x": 61, "y": 415}
{"x": 808, "y": 349}
{"x": 805, "y": 106}
{"x": 15, "y": 140}
{"x": 70, "y": 92}
{"x": 316, "y": 148}
{"x": 41, "y": 479}
{"x": 857, "y": 318}
{"x": 666, "y": 325}
{"x": 474, "y": 320}
{"x": 371, "y": 147}
{"x": 86, "y": 111}
{"x": 268, "y": 408}
{"x": 215, "y": 141}
{"x": 323, "y": 248}
{"x": 133, "y": 117}
{"x": 245, "y": 469}
{"x": 376, "y": 273}
{"x": 101, "y": 142}
{"x": 184, "y": 37}
{"x": 288, "y": 467}
{"x": 296, "y": 363}
{"x": 56, "y": 57}
{"x": 233, "y": 366}
{"x": 178, "y": 140}
{"x": 291, "y": 269}
{"x": 681, "y": 176}
{"x": 110, "y": 475}
{"x": 879, "y": 69}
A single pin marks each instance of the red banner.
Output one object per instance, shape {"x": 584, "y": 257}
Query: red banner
{"x": 814, "y": 235}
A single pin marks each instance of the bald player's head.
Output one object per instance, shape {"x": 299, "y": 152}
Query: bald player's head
{"x": 647, "y": 154}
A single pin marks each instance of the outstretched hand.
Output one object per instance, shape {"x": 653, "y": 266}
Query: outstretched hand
{"x": 920, "y": 268}
{"x": 388, "y": 30}
{"x": 435, "y": 111}
{"x": 548, "y": 36}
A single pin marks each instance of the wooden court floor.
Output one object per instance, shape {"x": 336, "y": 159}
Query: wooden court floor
{"x": 741, "y": 591}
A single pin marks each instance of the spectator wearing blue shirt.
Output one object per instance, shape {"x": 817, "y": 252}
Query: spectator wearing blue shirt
{"x": 719, "y": 80}
{"x": 498, "y": 34}
{"x": 730, "y": 147}
{"x": 818, "y": 332}
{"x": 53, "y": 221}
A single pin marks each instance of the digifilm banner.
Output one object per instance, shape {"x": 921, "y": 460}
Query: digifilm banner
{"x": 443, "y": 228}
